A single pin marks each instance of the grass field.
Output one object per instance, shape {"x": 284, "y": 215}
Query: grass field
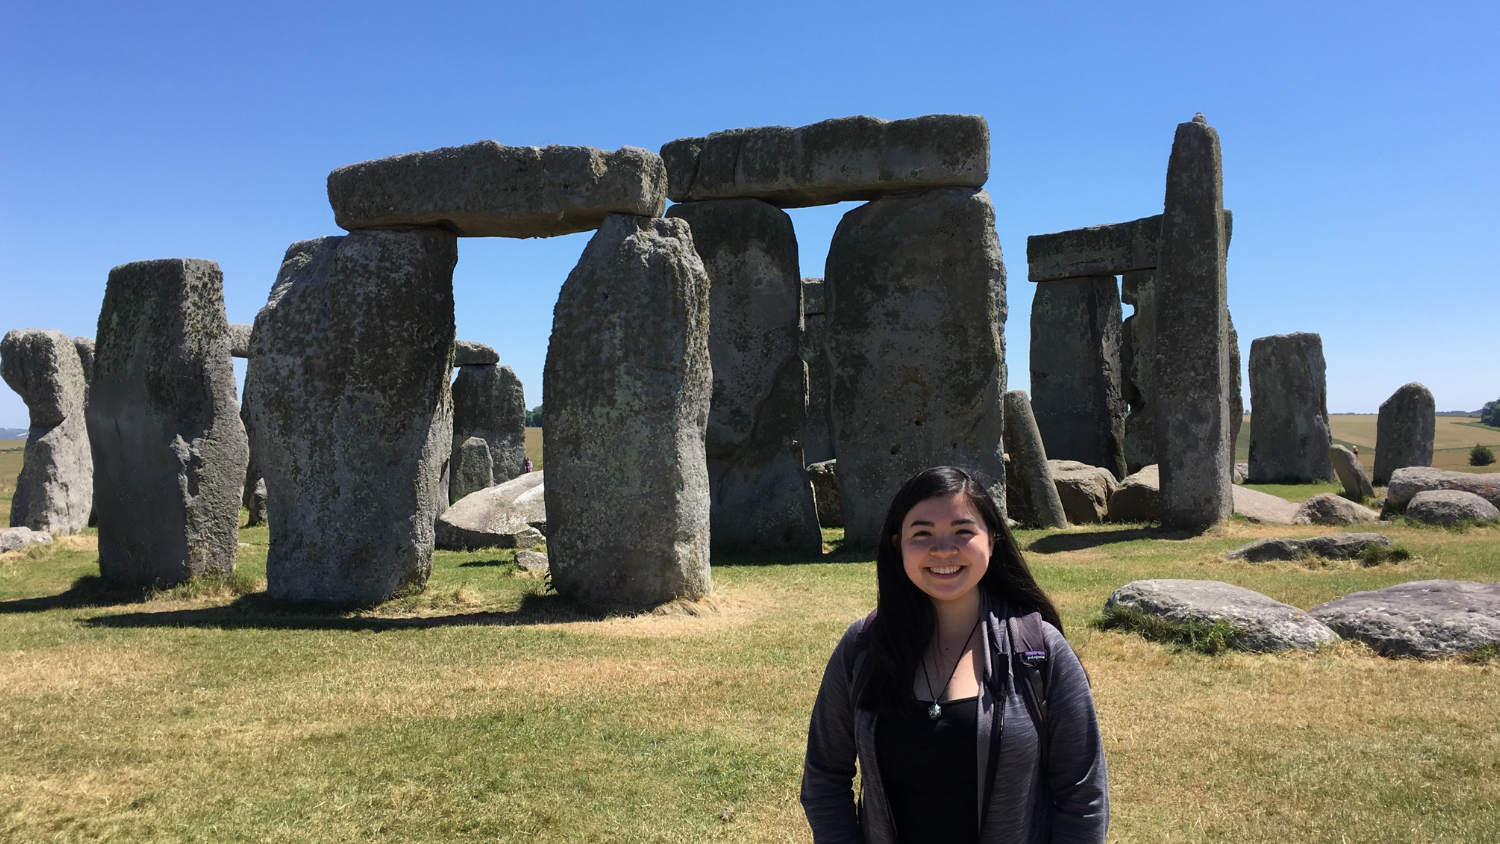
{"x": 1452, "y": 437}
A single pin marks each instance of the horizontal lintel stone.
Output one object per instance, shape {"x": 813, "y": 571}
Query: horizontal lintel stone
{"x": 1112, "y": 249}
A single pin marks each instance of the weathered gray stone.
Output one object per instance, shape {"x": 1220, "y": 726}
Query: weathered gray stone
{"x": 489, "y": 402}
{"x": 1450, "y": 507}
{"x": 838, "y": 160}
{"x": 1351, "y": 472}
{"x": 532, "y": 561}
{"x": 352, "y": 438}
{"x": 1338, "y": 546}
{"x": 510, "y": 515}
{"x": 1407, "y": 482}
{"x": 1191, "y": 404}
{"x": 824, "y": 476}
{"x": 626, "y": 387}
{"x": 1131, "y": 283}
{"x": 1404, "y": 431}
{"x": 85, "y": 349}
{"x": 169, "y": 448}
{"x": 19, "y": 537}
{"x": 1241, "y": 470}
{"x": 817, "y": 433}
{"x": 1330, "y": 509}
{"x": 1236, "y": 394}
{"x": 1138, "y": 384}
{"x": 1084, "y": 490}
{"x": 1268, "y": 625}
{"x": 55, "y": 490}
{"x": 1289, "y": 435}
{"x": 253, "y": 493}
{"x": 469, "y": 470}
{"x": 761, "y": 499}
{"x": 486, "y": 189}
{"x": 1075, "y": 371}
{"x": 1262, "y": 507}
{"x": 255, "y": 503}
{"x": 239, "y": 339}
{"x": 470, "y": 353}
{"x": 1427, "y": 618}
{"x": 1109, "y": 250}
{"x": 916, "y": 314}
{"x": 1031, "y": 497}
{"x": 1138, "y": 497}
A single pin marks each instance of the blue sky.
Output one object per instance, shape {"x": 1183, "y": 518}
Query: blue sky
{"x": 1359, "y": 143}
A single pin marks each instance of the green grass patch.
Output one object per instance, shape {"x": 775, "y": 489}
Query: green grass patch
{"x": 1197, "y": 635}
{"x": 1296, "y": 493}
{"x": 209, "y": 586}
{"x": 1375, "y": 555}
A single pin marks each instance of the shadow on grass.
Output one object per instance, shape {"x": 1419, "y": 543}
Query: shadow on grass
{"x": 484, "y": 564}
{"x": 1059, "y": 542}
{"x": 88, "y": 591}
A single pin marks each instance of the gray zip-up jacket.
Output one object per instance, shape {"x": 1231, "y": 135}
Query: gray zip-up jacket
{"x": 1066, "y": 804}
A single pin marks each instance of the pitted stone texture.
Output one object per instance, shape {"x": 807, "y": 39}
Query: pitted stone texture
{"x": 1075, "y": 371}
{"x": 838, "y": 160}
{"x": 1084, "y": 490}
{"x": 1110, "y": 250}
{"x": 253, "y": 494}
{"x": 626, "y": 387}
{"x": 817, "y": 435}
{"x": 1351, "y": 472}
{"x": 1138, "y": 497}
{"x": 169, "y": 448}
{"x": 470, "y": 470}
{"x": 814, "y": 297}
{"x": 1450, "y": 507}
{"x": 916, "y": 313}
{"x": 1406, "y": 483}
{"x": 1331, "y": 509}
{"x": 1262, "y": 507}
{"x": 1427, "y": 619}
{"x": 255, "y": 503}
{"x": 1338, "y": 546}
{"x": 761, "y": 498}
{"x": 489, "y": 402}
{"x": 239, "y": 339}
{"x": 532, "y": 561}
{"x": 470, "y": 353}
{"x": 20, "y": 537}
{"x": 510, "y": 515}
{"x": 1269, "y": 625}
{"x": 825, "y": 484}
{"x": 1130, "y": 283}
{"x": 1289, "y": 435}
{"x": 85, "y": 348}
{"x": 486, "y": 189}
{"x": 1404, "y": 431}
{"x": 55, "y": 490}
{"x": 1031, "y": 496}
{"x": 1191, "y": 404}
{"x": 353, "y": 438}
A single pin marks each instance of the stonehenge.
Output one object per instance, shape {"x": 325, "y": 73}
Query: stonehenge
{"x": 55, "y": 490}
{"x": 1289, "y": 436}
{"x": 489, "y": 403}
{"x": 169, "y": 449}
{"x": 1404, "y": 431}
{"x": 1076, "y": 371}
{"x": 1031, "y": 497}
{"x": 817, "y": 435}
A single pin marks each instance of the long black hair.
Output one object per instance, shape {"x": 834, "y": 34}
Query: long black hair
{"x": 901, "y": 630}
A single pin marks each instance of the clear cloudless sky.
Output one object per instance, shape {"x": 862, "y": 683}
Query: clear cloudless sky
{"x": 1359, "y": 142}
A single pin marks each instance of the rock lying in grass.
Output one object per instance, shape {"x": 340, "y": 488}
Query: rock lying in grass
{"x": 1266, "y": 624}
{"x": 1338, "y": 546}
{"x": 1262, "y": 507}
{"x": 1406, "y": 483}
{"x": 1137, "y": 498}
{"x": 1427, "y": 618}
{"x": 1351, "y": 472}
{"x": 532, "y": 561}
{"x": 1084, "y": 490}
{"x": 1331, "y": 509}
{"x": 16, "y": 538}
{"x": 1450, "y": 507}
{"x": 511, "y": 515}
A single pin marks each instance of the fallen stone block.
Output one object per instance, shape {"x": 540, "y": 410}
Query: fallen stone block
{"x": 1338, "y": 546}
{"x": 1268, "y": 625}
{"x": 1351, "y": 472}
{"x": 1407, "y": 482}
{"x": 1450, "y": 507}
{"x": 1084, "y": 490}
{"x": 470, "y": 353}
{"x": 1263, "y": 507}
{"x": 1426, "y": 619}
{"x": 17, "y": 538}
{"x": 1331, "y": 509}
{"x": 1137, "y": 498}
{"x": 510, "y": 515}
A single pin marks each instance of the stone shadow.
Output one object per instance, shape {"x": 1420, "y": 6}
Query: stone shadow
{"x": 88, "y": 591}
{"x": 1059, "y": 542}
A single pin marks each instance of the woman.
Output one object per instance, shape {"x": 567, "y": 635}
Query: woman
{"x": 968, "y": 714}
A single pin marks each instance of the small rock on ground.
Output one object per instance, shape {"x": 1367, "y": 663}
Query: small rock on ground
{"x": 532, "y": 561}
{"x": 12, "y": 539}
{"x": 1449, "y": 507}
{"x": 1331, "y": 509}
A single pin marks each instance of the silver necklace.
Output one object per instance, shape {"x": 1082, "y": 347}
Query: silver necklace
{"x": 935, "y": 711}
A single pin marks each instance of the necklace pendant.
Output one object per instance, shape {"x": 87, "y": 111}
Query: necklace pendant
{"x": 934, "y": 711}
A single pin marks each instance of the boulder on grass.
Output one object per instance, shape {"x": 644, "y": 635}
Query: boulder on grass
{"x": 532, "y": 561}
{"x": 1407, "y": 482}
{"x": 511, "y": 515}
{"x": 1428, "y": 618}
{"x": 1351, "y": 472}
{"x": 1138, "y": 498}
{"x": 1332, "y": 509}
{"x": 1263, "y": 507}
{"x": 1268, "y": 625}
{"x": 1084, "y": 490}
{"x": 16, "y": 538}
{"x": 1450, "y": 507}
{"x": 1338, "y": 546}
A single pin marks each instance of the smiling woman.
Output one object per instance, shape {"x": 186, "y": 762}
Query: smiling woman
{"x": 958, "y": 701}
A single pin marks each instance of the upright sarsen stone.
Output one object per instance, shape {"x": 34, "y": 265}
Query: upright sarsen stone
{"x": 916, "y": 311}
{"x": 1289, "y": 436}
{"x": 761, "y": 496}
{"x": 352, "y": 438}
{"x": 1031, "y": 496}
{"x": 626, "y": 387}
{"x": 1404, "y": 431}
{"x": 489, "y": 402}
{"x": 817, "y": 436}
{"x": 1076, "y": 373}
{"x": 1191, "y": 404}
{"x": 55, "y": 490}
{"x": 169, "y": 448}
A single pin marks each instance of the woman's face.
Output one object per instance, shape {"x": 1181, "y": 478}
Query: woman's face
{"x": 945, "y": 547}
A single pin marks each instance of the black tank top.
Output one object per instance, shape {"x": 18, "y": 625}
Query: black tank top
{"x": 930, "y": 770}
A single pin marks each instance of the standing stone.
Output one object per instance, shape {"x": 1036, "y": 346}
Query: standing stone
{"x": 1075, "y": 371}
{"x": 1031, "y": 496}
{"x": 55, "y": 489}
{"x": 253, "y": 494}
{"x": 1138, "y": 334}
{"x": 916, "y": 315}
{"x": 489, "y": 402}
{"x": 470, "y": 468}
{"x": 817, "y": 434}
{"x": 85, "y": 349}
{"x": 1236, "y": 394}
{"x": 1289, "y": 436}
{"x": 626, "y": 387}
{"x": 350, "y": 363}
{"x": 761, "y": 497}
{"x": 825, "y": 483}
{"x": 1192, "y": 349}
{"x": 1404, "y": 431}
{"x": 470, "y": 353}
{"x": 1351, "y": 473}
{"x": 169, "y": 448}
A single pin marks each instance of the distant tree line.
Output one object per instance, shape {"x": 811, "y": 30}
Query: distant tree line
{"x": 1489, "y": 415}
{"x": 534, "y": 417}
